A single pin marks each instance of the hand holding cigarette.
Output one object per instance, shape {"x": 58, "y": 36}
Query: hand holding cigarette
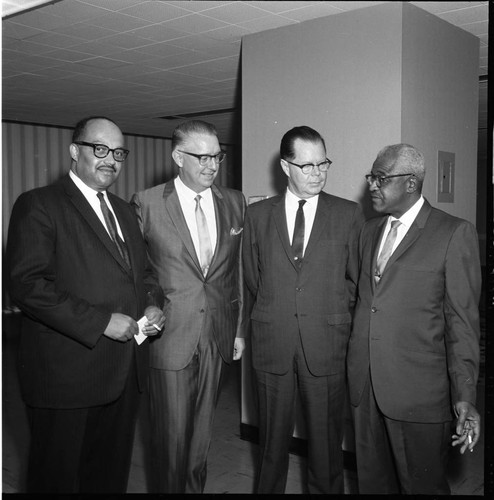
{"x": 467, "y": 426}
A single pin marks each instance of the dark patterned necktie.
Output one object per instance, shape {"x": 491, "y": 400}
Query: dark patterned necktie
{"x": 112, "y": 229}
{"x": 205, "y": 248}
{"x": 299, "y": 233}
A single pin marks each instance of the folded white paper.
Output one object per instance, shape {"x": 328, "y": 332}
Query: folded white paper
{"x": 141, "y": 337}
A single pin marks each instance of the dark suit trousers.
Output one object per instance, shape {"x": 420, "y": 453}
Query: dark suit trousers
{"x": 323, "y": 400}
{"x": 182, "y": 406}
{"x": 395, "y": 457}
{"x": 85, "y": 450}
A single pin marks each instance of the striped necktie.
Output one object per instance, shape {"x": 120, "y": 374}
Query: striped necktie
{"x": 387, "y": 250}
{"x": 205, "y": 248}
{"x": 111, "y": 225}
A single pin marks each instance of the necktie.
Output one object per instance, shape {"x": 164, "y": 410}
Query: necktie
{"x": 299, "y": 233}
{"x": 387, "y": 250}
{"x": 112, "y": 229}
{"x": 205, "y": 249}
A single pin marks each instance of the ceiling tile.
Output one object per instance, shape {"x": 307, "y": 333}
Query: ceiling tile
{"x": 311, "y": 12}
{"x": 235, "y": 12}
{"x": 159, "y": 32}
{"x": 151, "y": 11}
{"x": 86, "y": 31}
{"x": 466, "y": 16}
{"x": 19, "y": 31}
{"x": 114, "y": 5}
{"x": 119, "y": 22}
{"x": 194, "y": 24}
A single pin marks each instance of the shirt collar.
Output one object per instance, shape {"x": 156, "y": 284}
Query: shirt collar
{"x": 410, "y": 215}
{"x": 292, "y": 200}
{"x": 87, "y": 191}
{"x": 187, "y": 193}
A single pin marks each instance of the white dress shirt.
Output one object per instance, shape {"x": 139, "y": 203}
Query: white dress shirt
{"x": 91, "y": 196}
{"x": 291, "y": 207}
{"x": 188, "y": 203}
{"x": 406, "y": 221}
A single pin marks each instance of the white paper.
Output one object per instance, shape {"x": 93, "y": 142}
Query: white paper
{"x": 141, "y": 337}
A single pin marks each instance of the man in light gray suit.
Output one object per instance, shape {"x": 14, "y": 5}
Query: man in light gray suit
{"x": 194, "y": 245}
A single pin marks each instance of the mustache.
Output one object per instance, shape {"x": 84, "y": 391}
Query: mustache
{"x": 108, "y": 165}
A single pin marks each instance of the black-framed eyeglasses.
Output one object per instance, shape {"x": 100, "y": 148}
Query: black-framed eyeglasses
{"x": 204, "y": 159}
{"x": 308, "y": 167}
{"x": 381, "y": 179}
{"x": 101, "y": 151}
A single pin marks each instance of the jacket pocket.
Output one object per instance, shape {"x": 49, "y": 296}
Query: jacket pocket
{"x": 339, "y": 318}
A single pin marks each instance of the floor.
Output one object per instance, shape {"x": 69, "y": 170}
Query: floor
{"x": 232, "y": 460}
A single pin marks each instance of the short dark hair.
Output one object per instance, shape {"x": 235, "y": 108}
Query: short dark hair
{"x": 81, "y": 125}
{"x": 303, "y": 133}
{"x": 185, "y": 129}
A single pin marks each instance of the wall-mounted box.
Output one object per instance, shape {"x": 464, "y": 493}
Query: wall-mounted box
{"x": 445, "y": 177}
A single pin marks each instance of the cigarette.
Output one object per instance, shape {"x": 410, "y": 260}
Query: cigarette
{"x": 469, "y": 439}
{"x": 157, "y": 327}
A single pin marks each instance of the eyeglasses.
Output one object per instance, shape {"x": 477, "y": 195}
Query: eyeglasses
{"x": 308, "y": 167}
{"x": 204, "y": 159}
{"x": 381, "y": 179}
{"x": 101, "y": 151}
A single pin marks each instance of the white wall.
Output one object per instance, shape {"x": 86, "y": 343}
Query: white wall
{"x": 440, "y": 103}
{"x": 340, "y": 75}
{"x": 364, "y": 79}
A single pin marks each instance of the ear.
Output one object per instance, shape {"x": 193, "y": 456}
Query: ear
{"x": 284, "y": 166}
{"x": 178, "y": 158}
{"x": 412, "y": 184}
{"x": 74, "y": 151}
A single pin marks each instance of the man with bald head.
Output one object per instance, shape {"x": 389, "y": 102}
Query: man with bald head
{"x": 78, "y": 271}
{"x": 413, "y": 357}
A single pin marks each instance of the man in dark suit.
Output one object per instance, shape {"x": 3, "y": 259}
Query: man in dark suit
{"x": 414, "y": 351}
{"x": 81, "y": 371}
{"x": 193, "y": 232}
{"x": 303, "y": 283}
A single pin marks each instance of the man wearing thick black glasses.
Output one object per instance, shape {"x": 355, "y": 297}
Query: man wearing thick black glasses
{"x": 300, "y": 262}
{"x": 77, "y": 269}
{"x": 193, "y": 230}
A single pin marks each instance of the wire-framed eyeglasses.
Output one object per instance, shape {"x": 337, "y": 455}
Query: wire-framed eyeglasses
{"x": 307, "y": 168}
{"x": 101, "y": 150}
{"x": 204, "y": 159}
{"x": 381, "y": 179}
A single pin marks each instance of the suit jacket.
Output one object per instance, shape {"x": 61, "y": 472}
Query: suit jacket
{"x": 188, "y": 294}
{"x": 418, "y": 330}
{"x": 67, "y": 277}
{"x": 316, "y": 299}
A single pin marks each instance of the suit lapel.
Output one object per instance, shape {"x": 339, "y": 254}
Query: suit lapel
{"x": 172, "y": 206}
{"x": 321, "y": 220}
{"x": 412, "y": 234}
{"x": 221, "y": 211}
{"x": 279, "y": 216}
{"x": 82, "y": 205}
{"x": 410, "y": 237}
{"x": 125, "y": 225}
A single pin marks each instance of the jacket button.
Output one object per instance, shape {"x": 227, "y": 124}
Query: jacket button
{"x": 374, "y": 309}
